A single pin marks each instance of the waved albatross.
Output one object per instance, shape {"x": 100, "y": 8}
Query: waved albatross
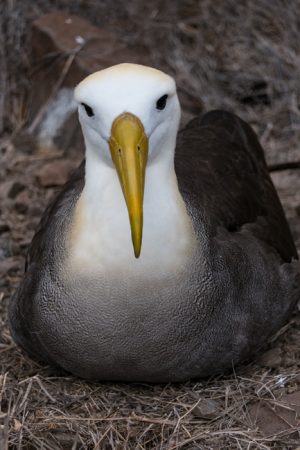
{"x": 153, "y": 265}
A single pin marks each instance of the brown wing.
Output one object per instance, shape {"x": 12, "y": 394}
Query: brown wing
{"x": 223, "y": 177}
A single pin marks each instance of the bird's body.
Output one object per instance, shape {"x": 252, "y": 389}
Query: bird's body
{"x": 217, "y": 273}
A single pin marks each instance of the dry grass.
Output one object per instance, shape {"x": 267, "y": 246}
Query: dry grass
{"x": 54, "y": 412}
{"x": 243, "y": 56}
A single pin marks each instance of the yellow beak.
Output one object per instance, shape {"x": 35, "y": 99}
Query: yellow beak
{"x": 128, "y": 145}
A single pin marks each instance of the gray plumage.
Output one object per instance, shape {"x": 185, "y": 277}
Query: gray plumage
{"x": 238, "y": 289}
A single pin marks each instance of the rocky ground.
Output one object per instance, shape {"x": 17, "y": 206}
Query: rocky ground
{"x": 244, "y": 58}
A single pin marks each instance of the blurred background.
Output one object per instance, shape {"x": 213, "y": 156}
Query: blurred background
{"x": 243, "y": 56}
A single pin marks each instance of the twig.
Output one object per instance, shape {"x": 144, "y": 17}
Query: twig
{"x": 116, "y": 419}
{"x": 284, "y": 166}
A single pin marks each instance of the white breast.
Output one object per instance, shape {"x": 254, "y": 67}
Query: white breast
{"x": 100, "y": 236}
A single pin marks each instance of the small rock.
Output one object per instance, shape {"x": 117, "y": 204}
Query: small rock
{"x": 33, "y": 223}
{"x": 54, "y": 173}
{"x": 24, "y": 142}
{"x": 15, "y": 189}
{"x": 272, "y": 358}
{"x": 207, "y": 409}
{"x": 9, "y": 189}
{"x": 24, "y": 197}
{"x": 4, "y": 227}
{"x": 9, "y": 265}
{"x": 17, "y": 425}
{"x": 275, "y": 417}
{"x": 292, "y": 388}
{"x": 5, "y": 248}
{"x": 36, "y": 211}
{"x": 21, "y": 208}
{"x": 22, "y": 202}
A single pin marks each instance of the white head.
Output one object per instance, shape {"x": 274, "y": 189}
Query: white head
{"x": 129, "y": 116}
{"x": 128, "y": 88}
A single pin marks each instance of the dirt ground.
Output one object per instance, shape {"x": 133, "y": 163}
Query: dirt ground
{"x": 242, "y": 56}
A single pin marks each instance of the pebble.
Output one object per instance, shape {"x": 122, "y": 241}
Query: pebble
{"x": 4, "y": 227}
{"x": 272, "y": 358}
{"x": 15, "y": 189}
{"x": 21, "y": 208}
{"x": 54, "y": 173}
{"x": 9, "y": 265}
{"x": 207, "y": 409}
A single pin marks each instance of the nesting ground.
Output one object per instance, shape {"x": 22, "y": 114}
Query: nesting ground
{"x": 242, "y": 56}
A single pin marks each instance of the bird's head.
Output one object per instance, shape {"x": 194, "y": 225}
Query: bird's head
{"x": 129, "y": 116}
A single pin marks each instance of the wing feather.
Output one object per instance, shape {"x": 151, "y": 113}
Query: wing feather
{"x": 222, "y": 174}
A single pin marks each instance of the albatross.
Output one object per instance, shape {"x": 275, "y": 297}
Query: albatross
{"x": 155, "y": 264}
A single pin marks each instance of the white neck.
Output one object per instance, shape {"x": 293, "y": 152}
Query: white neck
{"x": 100, "y": 238}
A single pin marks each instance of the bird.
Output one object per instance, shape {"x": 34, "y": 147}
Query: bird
{"x": 167, "y": 255}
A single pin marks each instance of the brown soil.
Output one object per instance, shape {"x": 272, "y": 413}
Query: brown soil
{"x": 242, "y": 56}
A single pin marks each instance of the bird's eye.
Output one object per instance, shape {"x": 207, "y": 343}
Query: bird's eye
{"x": 161, "y": 102}
{"x": 88, "y": 110}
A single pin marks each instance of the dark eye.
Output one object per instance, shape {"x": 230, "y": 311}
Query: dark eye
{"x": 161, "y": 102}
{"x": 88, "y": 110}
